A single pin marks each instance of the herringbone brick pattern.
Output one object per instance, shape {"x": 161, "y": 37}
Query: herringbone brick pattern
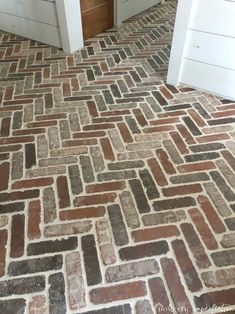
{"x": 117, "y": 190}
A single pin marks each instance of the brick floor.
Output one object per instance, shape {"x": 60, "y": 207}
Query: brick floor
{"x": 117, "y": 190}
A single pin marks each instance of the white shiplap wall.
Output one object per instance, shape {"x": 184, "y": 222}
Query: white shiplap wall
{"x": 206, "y": 57}
{"x": 35, "y": 19}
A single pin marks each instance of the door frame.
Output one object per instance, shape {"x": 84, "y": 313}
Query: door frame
{"x": 70, "y": 21}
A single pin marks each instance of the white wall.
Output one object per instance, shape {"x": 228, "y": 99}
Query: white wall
{"x": 205, "y": 59}
{"x": 58, "y": 22}
{"x": 35, "y": 19}
{"x": 128, "y": 8}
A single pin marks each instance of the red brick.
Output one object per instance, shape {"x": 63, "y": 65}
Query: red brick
{"x": 31, "y": 183}
{"x": 213, "y": 138}
{"x": 9, "y": 92}
{"x": 85, "y": 142}
{"x": 85, "y": 212}
{"x": 211, "y": 214}
{"x": 3, "y": 243}
{"x": 5, "y": 127}
{"x": 185, "y": 134}
{"x": 19, "y": 139}
{"x": 95, "y": 199}
{"x": 51, "y": 117}
{"x": 164, "y": 121}
{"x": 102, "y": 126}
{"x": 195, "y": 246}
{"x": 34, "y": 220}
{"x": 105, "y": 187}
{"x": 229, "y": 158}
{"x": 140, "y": 117}
{"x": 42, "y": 124}
{"x": 107, "y": 149}
{"x": 4, "y": 171}
{"x": 179, "y": 143}
{"x": 156, "y": 129}
{"x": 17, "y": 236}
{"x": 21, "y": 195}
{"x": 125, "y": 133}
{"x": 166, "y": 92}
{"x": 157, "y": 172}
{"x": 203, "y": 229}
{"x": 92, "y": 109}
{"x": 187, "y": 268}
{"x": 166, "y": 163}
{"x": 175, "y": 285}
{"x": 155, "y": 233}
{"x": 216, "y": 299}
{"x": 89, "y": 134}
{"x": 197, "y": 118}
{"x": 118, "y": 292}
{"x": 29, "y": 132}
{"x": 182, "y": 190}
{"x": 199, "y": 166}
{"x": 159, "y": 296}
{"x": 63, "y": 192}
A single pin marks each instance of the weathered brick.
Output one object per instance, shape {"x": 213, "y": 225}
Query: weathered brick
{"x": 215, "y": 299}
{"x": 57, "y": 302}
{"x": 75, "y": 180}
{"x": 211, "y": 214}
{"x": 36, "y": 265}
{"x": 37, "y": 305}
{"x": 143, "y": 307}
{"x": 139, "y": 195}
{"x": 49, "y": 205}
{"x": 203, "y": 229}
{"x": 17, "y": 166}
{"x": 13, "y": 306}
{"x": 129, "y": 210}
{"x": 116, "y": 175}
{"x": 164, "y": 217}
{"x": 217, "y": 199}
{"x": 230, "y": 222}
{"x": 105, "y": 187}
{"x": 95, "y": 199}
{"x": 132, "y": 270}
{"x": 228, "y": 240}
{"x": 224, "y": 258}
{"x": 76, "y": 289}
{"x": 159, "y": 295}
{"x": 21, "y": 286}
{"x": 92, "y": 267}
{"x": 105, "y": 242}
{"x": 175, "y": 285}
{"x": 67, "y": 229}
{"x": 143, "y": 250}
{"x": 3, "y": 220}
{"x": 188, "y": 270}
{"x": 155, "y": 233}
{"x": 174, "y": 203}
{"x": 219, "y": 278}
{"x": 195, "y": 245}
{"x": 118, "y": 226}
{"x": 46, "y": 247}
{"x": 119, "y": 309}
{"x": 118, "y": 292}
{"x": 3, "y": 243}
